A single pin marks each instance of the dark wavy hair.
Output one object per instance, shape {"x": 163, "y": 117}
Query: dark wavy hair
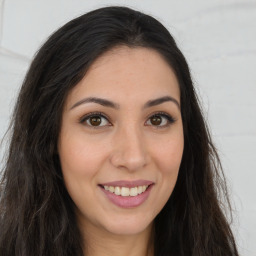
{"x": 36, "y": 213}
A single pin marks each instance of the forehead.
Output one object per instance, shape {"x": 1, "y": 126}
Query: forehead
{"x": 126, "y": 74}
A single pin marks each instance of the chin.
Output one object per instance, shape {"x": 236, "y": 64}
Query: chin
{"x": 128, "y": 226}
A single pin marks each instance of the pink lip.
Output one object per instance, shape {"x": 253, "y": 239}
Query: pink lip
{"x": 127, "y": 183}
{"x": 127, "y": 201}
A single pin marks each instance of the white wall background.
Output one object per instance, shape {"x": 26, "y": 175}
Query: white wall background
{"x": 218, "y": 37}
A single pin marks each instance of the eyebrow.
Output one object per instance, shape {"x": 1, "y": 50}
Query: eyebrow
{"x": 161, "y": 100}
{"x": 103, "y": 102}
{"x": 108, "y": 103}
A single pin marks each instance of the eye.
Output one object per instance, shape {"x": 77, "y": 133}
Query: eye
{"x": 95, "y": 120}
{"x": 160, "y": 120}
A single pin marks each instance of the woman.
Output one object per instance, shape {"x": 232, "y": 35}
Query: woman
{"x": 109, "y": 151}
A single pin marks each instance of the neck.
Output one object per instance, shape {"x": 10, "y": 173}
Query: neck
{"x": 101, "y": 242}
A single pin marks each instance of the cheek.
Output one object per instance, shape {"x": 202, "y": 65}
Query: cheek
{"x": 80, "y": 163}
{"x": 169, "y": 154}
{"x": 168, "y": 161}
{"x": 80, "y": 157}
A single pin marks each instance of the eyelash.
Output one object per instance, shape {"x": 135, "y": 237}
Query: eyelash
{"x": 169, "y": 118}
{"x": 94, "y": 114}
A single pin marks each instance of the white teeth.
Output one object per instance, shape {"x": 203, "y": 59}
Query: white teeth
{"x": 140, "y": 189}
{"x": 123, "y": 191}
{"x": 111, "y": 189}
{"x": 117, "y": 191}
{"x": 133, "y": 191}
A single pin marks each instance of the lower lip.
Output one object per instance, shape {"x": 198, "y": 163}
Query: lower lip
{"x": 128, "y": 201}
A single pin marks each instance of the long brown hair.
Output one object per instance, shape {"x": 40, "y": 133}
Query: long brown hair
{"x": 36, "y": 213}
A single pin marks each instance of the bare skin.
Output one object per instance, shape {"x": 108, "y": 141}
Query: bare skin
{"x": 121, "y": 122}
{"x": 99, "y": 243}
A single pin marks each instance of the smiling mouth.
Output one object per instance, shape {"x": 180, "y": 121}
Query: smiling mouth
{"x": 127, "y": 194}
{"x": 124, "y": 191}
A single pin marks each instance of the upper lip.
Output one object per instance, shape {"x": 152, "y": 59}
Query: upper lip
{"x": 128, "y": 183}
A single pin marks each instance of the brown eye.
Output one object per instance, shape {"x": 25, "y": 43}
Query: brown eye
{"x": 160, "y": 120}
{"x": 95, "y": 120}
{"x": 156, "y": 120}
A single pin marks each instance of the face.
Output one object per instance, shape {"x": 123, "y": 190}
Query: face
{"x": 121, "y": 141}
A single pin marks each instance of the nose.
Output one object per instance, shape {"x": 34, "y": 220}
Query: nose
{"x": 129, "y": 150}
